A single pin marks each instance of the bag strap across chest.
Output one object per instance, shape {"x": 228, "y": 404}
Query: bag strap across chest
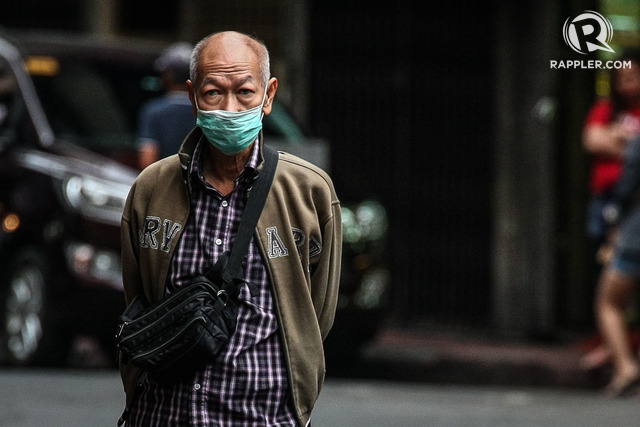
{"x": 229, "y": 265}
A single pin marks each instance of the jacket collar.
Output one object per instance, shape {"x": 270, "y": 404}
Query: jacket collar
{"x": 188, "y": 148}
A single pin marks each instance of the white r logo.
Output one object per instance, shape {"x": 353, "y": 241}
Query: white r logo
{"x": 587, "y": 32}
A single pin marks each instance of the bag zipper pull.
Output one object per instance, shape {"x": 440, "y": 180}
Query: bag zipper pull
{"x": 121, "y": 328}
{"x": 142, "y": 377}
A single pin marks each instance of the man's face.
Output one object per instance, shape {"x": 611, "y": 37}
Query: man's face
{"x": 228, "y": 77}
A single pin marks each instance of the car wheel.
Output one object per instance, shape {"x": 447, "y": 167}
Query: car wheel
{"x": 29, "y": 331}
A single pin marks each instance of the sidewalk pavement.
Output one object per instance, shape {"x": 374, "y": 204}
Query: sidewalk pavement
{"x": 458, "y": 359}
{"x": 454, "y": 358}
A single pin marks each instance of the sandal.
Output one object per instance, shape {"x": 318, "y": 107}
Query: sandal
{"x": 623, "y": 386}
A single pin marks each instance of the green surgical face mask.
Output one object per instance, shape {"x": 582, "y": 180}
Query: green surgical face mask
{"x": 231, "y": 131}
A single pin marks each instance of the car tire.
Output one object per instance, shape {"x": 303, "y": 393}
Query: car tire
{"x": 30, "y": 333}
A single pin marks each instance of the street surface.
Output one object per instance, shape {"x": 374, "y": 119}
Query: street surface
{"x": 93, "y": 398}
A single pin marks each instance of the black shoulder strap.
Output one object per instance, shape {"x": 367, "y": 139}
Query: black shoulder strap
{"x": 256, "y": 200}
{"x": 257, "y": 197}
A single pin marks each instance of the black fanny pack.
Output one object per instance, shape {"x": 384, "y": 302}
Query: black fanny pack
{"x": 183, "y": 331}
{"x": 187, "y": 328}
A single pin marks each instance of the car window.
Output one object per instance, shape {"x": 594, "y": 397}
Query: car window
{"x": 12, "y": 108}
{"x": 90, "y": 103}
{"x": 95, "y": 104}
{"x": 280, "y": 124}
{"x": 7, "y": 90}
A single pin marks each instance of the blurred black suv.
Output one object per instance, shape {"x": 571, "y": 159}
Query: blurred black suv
{"x": 68, "y": 107}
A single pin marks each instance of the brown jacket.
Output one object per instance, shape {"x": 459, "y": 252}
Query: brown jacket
{"x": 300, "y": 237}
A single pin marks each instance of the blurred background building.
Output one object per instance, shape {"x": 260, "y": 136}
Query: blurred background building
{"x": 448, "y": 113}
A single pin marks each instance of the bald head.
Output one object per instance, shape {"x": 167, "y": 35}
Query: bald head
{"x": 230, "y": 72}
{"x": 230, "y": 43}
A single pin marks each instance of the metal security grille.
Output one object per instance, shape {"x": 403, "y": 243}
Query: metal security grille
{"x": 406, "y": 104}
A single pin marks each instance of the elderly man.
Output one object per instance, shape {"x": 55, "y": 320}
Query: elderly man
{"x": 183, "y": 212}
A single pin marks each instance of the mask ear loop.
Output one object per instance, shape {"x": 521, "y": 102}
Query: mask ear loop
{"x": 264, "y": 98}
{"x": 195, "y": 98}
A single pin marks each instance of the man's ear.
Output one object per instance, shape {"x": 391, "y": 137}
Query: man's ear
{"x": 272, "y": 88}
{"x": 192, "y": 97}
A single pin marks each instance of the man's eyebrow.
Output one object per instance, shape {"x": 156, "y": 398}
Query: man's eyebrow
{"x": 217, "y": 80}
{"x": 209, "y": 80}
{"x": 247, "y": 79}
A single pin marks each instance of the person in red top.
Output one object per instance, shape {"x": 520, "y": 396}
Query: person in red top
{"x": 606, "y": 135}
{"x": 610, "y": 125}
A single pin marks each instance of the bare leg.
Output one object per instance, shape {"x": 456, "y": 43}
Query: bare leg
{"x": 614, "y": 293}
{"x": 596, "y": 358}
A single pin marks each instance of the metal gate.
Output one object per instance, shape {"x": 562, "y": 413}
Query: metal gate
{"x": 406, "y": 104}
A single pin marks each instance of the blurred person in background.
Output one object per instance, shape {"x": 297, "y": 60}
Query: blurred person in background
{"x": 610, "y": 124}
{"x": 619, "y": 279}
{"x": 165, "y": 121}
{"x": 609, "y": 127}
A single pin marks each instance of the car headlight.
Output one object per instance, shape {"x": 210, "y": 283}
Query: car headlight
{"x": 96, "y": 198}
{"x": 88, "y": 261}
{"x": 350, "y": 227}
{"x": 373, "y": 287}
{"x": 367, "y": 222}
{"x": 372, "y": 218}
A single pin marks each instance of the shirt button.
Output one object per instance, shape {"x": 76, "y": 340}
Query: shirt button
{"x": 218, "y": 242}
{"x": 196, "y": 387}
{"x": 225, "y": 203}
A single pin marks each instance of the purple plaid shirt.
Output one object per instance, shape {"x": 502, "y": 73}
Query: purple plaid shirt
{"x": 247, "y": 385}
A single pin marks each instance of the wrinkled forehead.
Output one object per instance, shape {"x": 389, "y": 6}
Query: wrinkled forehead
{"x": 229, "y": 55}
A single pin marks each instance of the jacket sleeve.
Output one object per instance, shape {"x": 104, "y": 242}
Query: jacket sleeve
{"x": 325, "y": 280}
{"x": 132, "y": 287}
{"x": 130, "y": 266}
